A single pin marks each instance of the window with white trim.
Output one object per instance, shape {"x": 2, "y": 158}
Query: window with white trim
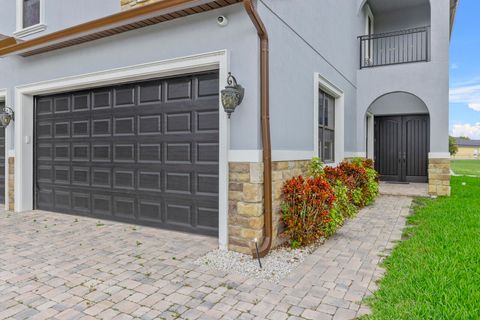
{"x": 30, "y": 13}
{"x": 30, "y": 17}
{"x": 326, "y": 127}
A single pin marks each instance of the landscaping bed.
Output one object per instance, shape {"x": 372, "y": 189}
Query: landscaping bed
{"x": 313, "y": 209}
{"x": 434, "y": 274}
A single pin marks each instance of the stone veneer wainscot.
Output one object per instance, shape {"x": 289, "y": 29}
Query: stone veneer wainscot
{"x": 439, "y": 177}
{"x": 245, "y": 217}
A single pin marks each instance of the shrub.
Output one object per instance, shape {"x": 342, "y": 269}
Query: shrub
{"x": 343, "y": 204}
{"x": 371, "y": 192}
{"x": 315, "y": 168}
{"x": 319, "y": 205}
{"x": 360, "y": 194}
{"x": 306, "y": 208}
{"x": 337, "y": 174}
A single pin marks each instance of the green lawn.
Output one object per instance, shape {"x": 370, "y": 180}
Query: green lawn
{"x": 466, "y": 167}
{"x": 435, "y": 273}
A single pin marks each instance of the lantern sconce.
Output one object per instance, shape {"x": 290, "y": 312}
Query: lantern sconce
{"x": 6, "y": 116}
{"x": 232, "y": 95}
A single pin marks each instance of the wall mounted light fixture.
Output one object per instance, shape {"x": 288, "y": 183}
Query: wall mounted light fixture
{"x": 6, "y": 116}
{"x": 232, "y": 95}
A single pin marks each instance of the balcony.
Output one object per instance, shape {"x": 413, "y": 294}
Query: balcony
{"x": 392, "y": 48}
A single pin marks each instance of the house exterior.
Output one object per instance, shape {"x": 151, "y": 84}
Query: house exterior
{"x": 118, "y": 112}
{"x": 467, "y": 149}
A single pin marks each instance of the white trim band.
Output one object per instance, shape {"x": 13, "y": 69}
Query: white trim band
{"x": 439, "y": 155}
{"x": 277, "y": 155}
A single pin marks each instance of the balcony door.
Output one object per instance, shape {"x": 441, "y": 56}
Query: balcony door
{"x": 401, "y": 148}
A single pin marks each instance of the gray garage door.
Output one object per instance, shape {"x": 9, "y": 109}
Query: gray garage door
{"x": 145, "y": 153}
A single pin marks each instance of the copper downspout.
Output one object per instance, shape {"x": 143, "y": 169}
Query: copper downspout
{"x": 265, "y": 113}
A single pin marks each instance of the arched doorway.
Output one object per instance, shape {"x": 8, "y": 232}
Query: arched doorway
{"x": 401, "y": 136}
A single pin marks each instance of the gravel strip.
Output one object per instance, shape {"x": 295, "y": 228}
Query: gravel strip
{"x": 276, "y": 266}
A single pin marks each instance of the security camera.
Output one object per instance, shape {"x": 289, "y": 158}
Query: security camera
{"x": 222, "y": 21}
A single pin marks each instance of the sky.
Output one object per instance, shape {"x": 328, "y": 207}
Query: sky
{"x": 465, "y": 71}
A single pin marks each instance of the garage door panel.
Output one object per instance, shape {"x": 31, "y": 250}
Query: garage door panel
{"x": 207, "y": 217}
{"x": 150, "y": 124}
{"x": 150, "y": 210}
{"x": 124, "y": 207}
{"x": 150, "y": 92}
{"x": 81, "y": 176}
{"x": 207, "y": 121}
{"x": 80, "y": 129}
{"x": 81, "y": 102}
{"x": 124, "y": 96}
{"x": 144, "y": 153}
{"x": 179, "y": 89}
{"x": 62, "y": 129}
{"x": 207, "y": 86}
{"x": 102, "y": 204}
{"x": 44, "y": 106}
{"x": 102, "y": 127}
{"x": 81, "y": 202}
{"x": 61, "y": 104}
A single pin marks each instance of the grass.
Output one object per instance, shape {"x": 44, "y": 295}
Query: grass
{"x": 466, "y": 167}
{"x": 435, "y": 273}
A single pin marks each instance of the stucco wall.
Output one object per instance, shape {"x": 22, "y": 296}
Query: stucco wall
{"x": 178, "y": 38}
{"x": 427, "y": 80}
{"x": 310, "y": 36}
{"x": 398, "y": 103}
{"x": 307, "y": 37}
{"x": 59, "y": 14}
{"x": 407, "y": 18}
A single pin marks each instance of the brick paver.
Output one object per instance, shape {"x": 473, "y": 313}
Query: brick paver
{"x": 66, "y": 267}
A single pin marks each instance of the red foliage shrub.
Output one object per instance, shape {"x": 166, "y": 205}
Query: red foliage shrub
{"x": 358, "y": 177}
{"x": 306, "y": 209}
{"x": 334, "y": 174}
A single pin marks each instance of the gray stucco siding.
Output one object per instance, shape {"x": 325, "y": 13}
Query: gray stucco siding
{"x": 295, "y": 59}
{"x": 59, "y": 14}
{"x": 410, "y": 17}
{"x": 398, "y": 103}
{"x": 427, "y": 80}
{"x": 183, "y": 37}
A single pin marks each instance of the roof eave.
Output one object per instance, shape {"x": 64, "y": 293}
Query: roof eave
{"x": 124, "y": 21}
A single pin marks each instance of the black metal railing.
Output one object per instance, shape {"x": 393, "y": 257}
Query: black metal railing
{"x": 405, "y": 46}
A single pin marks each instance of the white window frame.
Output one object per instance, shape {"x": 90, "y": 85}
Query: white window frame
{"x": 320, "y": 83}
{"x": 23, "y": 32}
{"x": 369, "y": 17}
{"x": 369, "y": 14}
{"x": 370, "y": 134}
{"x": 4, "y": 97}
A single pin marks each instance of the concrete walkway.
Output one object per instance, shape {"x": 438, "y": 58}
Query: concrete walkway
{"x": 59, "y": 266}
{"x": 404, "y": 189}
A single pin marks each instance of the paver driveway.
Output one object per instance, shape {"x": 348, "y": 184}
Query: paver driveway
{"x": 59, "y": 266}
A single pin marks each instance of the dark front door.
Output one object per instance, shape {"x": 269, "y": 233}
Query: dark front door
{"x": 143, "y": 153}
{"x": 401, "y": 148}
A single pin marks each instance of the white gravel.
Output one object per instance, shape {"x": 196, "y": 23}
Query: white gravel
{"x": 276, "y": 266}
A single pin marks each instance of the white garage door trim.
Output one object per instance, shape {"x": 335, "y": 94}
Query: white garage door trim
{"x": 24, "y": 125}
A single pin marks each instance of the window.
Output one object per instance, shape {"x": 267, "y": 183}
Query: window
{"x": 30, "y": 13}
{"x": 30, "y": 17}
{"x": 326, "y": 127}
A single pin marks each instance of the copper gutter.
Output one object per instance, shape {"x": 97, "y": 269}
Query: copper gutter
{"x": 265, "y": 123}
